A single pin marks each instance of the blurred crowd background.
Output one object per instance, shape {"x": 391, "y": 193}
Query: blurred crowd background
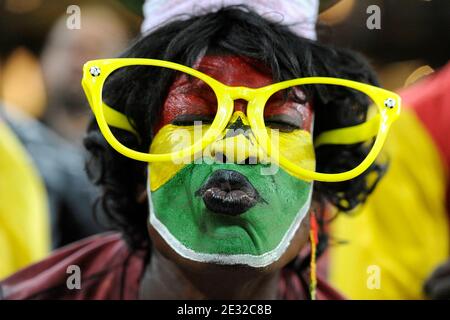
{"x": 44, "y": 106}
{"x": 44, "y": 110}
{"x": 39, "y": 53}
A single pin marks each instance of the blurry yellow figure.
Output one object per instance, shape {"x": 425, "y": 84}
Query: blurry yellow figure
{"x": 24, "y": 227}
{"x": 400, "y": 235}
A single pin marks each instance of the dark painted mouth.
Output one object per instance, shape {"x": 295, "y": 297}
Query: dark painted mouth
{"x": 228, "y": 192}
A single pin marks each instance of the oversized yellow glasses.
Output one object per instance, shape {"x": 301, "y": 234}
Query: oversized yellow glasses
{"x": 372, "y": 131}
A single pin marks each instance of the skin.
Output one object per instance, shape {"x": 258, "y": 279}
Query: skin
{"x": 170, "y": 276}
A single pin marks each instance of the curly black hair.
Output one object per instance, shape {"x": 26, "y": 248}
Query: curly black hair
{"x": 239, "y": 31}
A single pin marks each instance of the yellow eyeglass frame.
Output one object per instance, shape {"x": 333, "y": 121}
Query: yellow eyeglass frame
{"x": 95, "y": 72}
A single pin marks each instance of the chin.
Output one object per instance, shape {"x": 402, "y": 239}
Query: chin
{"x": 191, "y": 266}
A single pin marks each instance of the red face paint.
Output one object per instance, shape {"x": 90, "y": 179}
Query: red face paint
{"x": 191, "y": 99}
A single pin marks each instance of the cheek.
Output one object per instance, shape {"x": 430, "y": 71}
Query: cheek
{"x": 299, "y": 241}
{"x": 170, "y": 139}
{"x": 296, "y": 146}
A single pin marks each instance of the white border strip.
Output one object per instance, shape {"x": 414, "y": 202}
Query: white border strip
{"x": 257, "y": 261}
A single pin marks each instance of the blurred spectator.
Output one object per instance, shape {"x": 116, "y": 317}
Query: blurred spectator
{"x": 58, "y": 156}
{"x": 403, "y": 229}
{"x": 402, "y": 233}
{"x": 70, "y": 194}
{"x": 63, "y": 56}
{"x": 24, "y": 228}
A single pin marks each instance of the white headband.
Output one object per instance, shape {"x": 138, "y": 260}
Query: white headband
{"x": 299, "y": 15}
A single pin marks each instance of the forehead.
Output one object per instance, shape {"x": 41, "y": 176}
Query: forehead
{"x": 192, "y": 97}
{"x": 235, "y": 70}
{"x": 188, "y": 97}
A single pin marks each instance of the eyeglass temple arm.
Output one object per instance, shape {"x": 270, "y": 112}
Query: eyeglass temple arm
{"x": 117, "y": 120}
{"x": 350, "y": 135}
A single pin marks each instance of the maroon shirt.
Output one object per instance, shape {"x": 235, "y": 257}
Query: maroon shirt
{"x": 109, "y": 270}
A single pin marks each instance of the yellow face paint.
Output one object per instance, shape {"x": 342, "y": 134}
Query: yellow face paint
{"x": 168, "y": 139}
{"x": 297, "y": 146}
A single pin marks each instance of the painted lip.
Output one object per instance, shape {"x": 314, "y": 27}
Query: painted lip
{"x": 228, "y": 192}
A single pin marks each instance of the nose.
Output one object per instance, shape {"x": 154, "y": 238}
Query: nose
{"x": 231, "y": 154}
{"x": 238, "y": 144}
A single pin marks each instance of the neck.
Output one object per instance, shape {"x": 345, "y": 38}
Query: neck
{"x": 163, "y": 279}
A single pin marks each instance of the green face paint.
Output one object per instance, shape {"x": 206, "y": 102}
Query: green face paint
{"x": 257, "y": 237}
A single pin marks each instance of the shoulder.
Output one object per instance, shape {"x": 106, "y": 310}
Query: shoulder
{"x": 102, "y": 261}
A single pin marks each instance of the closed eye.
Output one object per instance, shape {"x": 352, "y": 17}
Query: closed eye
{"x": 190, "y": 119}
{"x": 282, "y": 122}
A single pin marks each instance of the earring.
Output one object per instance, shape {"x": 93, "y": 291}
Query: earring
{"x": 314, "y": 239}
